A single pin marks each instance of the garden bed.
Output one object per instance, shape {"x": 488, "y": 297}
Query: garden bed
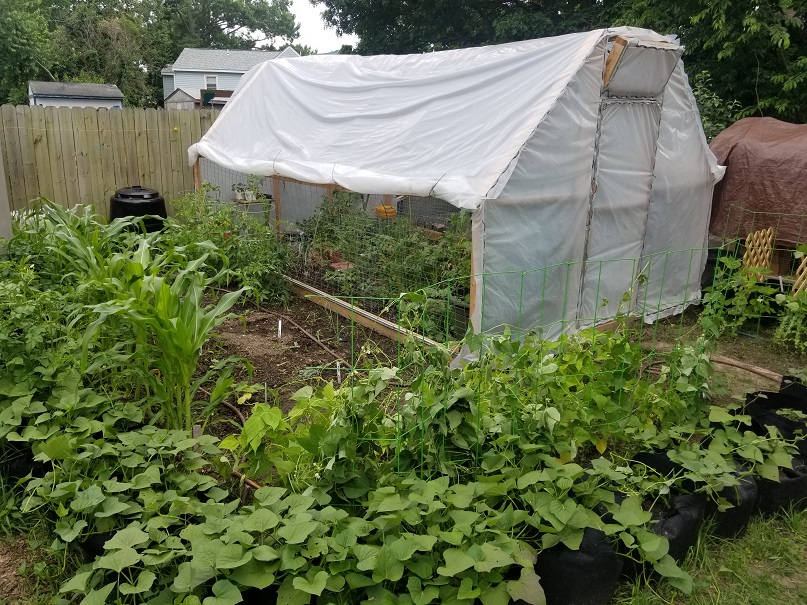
{"x": 299, "y": 356}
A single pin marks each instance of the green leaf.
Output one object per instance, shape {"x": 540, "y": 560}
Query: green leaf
{"x": 231, "y": 556}
{"x": 262, "y": 520}
{"x": 387, "y": 566}
{"x": 495, "y": 595}
{"x": 118, "y": 560}
{"x": 87, "y": 499}
{"x": 366, "y": 555}
{"x": 720, "y": 415}
{"x": 225, "y": 593}
{"x": 144, "y": 582}
{"x": 530, "y": 478}
{"x": 315, "y": 586}
{"x": 55, "y": 448}
{"x": 288, "y": 595}
{"x": 98, "y": 596}
{"x": 677, "y": 577}
{"x": 128, "y": 537}
{"x": 253, "y": 575}
{"x": 467, "y": 589}
{"x": 68, "y": 532}
{"x": 111, "y": 507}
{"x": 456, "y": 562}
{"x": 492, "y": 557}
{"x": 419, "y": 594}
{"x": 297, "y": 532}
{"x": 78, "y": 583}
{"x": 527, "y": 588}
{"x": 355, "y": 580}
{"x": 630, "y": 513}
{"x": 189, "y": 576}
{"x": 264, "y": 552}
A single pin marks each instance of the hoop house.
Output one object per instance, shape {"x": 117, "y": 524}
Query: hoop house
{"x": 582, "y": 158}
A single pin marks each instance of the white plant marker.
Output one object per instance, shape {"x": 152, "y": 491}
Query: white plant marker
{"x": 338, "y": 372}
{"x": 279, "y": 328}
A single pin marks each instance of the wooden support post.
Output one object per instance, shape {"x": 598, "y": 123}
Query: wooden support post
{"x": 620, "y": 44}
{"x": 197, "y": 175}
{"x": 5, "y": 207}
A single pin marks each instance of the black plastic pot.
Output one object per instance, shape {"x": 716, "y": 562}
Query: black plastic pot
{"x": 588, "y": 576}
{"x": 789, "y": 492}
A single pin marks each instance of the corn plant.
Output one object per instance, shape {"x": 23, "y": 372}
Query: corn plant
{"x": 168, "y": 315}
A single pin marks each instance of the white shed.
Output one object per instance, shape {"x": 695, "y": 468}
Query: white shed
{"x": 582, "y": 157}
{"x": 74, "y": 94}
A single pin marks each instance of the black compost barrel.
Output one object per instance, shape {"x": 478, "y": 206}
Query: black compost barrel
{"x": 139, "y": 201}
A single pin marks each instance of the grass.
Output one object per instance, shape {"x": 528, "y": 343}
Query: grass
{"x": 764, "y": 567}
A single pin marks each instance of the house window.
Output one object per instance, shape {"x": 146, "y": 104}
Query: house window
{"x": 211, "y": 82}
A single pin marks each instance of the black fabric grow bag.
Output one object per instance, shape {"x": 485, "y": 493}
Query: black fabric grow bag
{"x": 93, "y": 544}
{"x": 263, "y": 596}
{"x": 789, "y": 492}
{"x": 733, "y": 522}
{"x": 730, "y": 523}
{"x": 18, "y": 462}
{"x": 763, "y": 407}
{"x": 680, "y": 524}
{"x": 791, "y": 386}
{"x": 588, "y": 576}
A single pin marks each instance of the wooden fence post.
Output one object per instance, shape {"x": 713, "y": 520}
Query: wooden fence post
{"x": 5, "y": 207}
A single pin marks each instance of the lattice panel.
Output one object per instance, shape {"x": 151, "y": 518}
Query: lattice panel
{"x": 800, "y": 284}
{"x": 758, "y": 250}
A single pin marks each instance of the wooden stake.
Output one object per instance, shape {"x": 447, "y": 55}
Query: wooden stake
{"x": 197, "y": 175}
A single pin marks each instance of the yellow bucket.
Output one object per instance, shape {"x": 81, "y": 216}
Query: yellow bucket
{"x": 385, "y": 211}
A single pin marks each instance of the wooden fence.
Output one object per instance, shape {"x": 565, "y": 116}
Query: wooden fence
{"x": 82, "y": 155}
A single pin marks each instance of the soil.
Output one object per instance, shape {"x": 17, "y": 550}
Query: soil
{"x": 286, "y": 363}
{"x": 13, "y": 553}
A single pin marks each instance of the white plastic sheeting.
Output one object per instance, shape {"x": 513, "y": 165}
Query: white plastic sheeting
{"x": 579, "y": 190}
{"x": 447, "y": 124}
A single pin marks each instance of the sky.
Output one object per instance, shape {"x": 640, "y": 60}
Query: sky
{"x": 313, "y": 32}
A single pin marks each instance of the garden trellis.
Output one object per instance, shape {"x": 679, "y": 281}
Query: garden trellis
{"x": 581, "y": 154}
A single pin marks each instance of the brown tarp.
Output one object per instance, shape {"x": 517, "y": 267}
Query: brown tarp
{"x": 765, "y": 183}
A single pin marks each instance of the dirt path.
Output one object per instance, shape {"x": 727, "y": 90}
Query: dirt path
{"x": 14, "y": 588}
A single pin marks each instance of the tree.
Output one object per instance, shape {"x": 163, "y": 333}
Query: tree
{"x": 24, "y": 47}
{"x": 410, "y": 26}
{"x": 754, "y": 51}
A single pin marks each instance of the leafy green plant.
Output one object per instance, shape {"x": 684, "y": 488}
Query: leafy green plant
{"x": 252, "y": 254}
{"x": 388, "y": 257}
{"x": 737, "y": 297}
{"x": 792, "y": 328}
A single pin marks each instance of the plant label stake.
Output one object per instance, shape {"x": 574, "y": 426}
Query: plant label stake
{"x": 338, "y": 372}
{"x": 279, "y": 328}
